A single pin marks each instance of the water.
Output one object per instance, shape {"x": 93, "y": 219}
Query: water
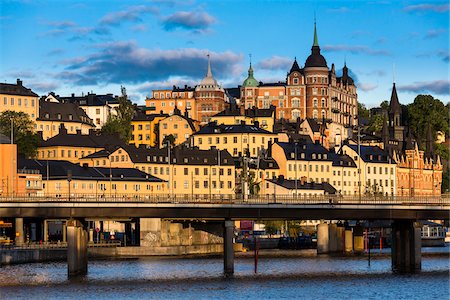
{"x": 321, "y": 277}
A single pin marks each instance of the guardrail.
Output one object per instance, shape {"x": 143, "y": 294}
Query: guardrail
{"x": 443, "y": 200}
{"x": 55, "y": 245}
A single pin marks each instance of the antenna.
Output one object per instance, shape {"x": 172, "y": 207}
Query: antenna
{"x": 250, "y": 57}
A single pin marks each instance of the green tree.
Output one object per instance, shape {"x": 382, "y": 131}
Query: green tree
{"x": 426, "y": 109}
{"x": 121, "y": 123}
{"x": 384, "y": 105}
{"x": 169, "y": 139}
{"x": 363, "y": 112}
{"x": 23, "y": 131}
{"x": 375, "y": 124}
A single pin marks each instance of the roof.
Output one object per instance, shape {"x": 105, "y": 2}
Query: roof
{"x": 180, "y": 155}
{"x": 213, "y": 128}
{"x": 91, "y": 99}
{"x": 16, "y": 89}
{"x": 272, "y": 84}
{"x": 305, "y": 151}
{"x": 233, "y": 92}
{"x": 342, "y": 160}
{"x": 315, "y": 59}
{"x": 62, "y": 112}
{"x": 58, "y": 170}
{"x": 372, "y": 154}
{"x": 291, "y": 185}
{"x": 295, "y": 67}
{"x": 394, "y": 104}
{"x": 147, "y": 117}
{"x": 315, "y": 127}
{"x": 92, "y": 140}
{"x": 187, "y": 119}
{"x": 253, "y": 112}
{"x": 250, "y": 81}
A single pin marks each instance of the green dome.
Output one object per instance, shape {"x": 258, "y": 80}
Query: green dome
{"x": 250, "y": 81}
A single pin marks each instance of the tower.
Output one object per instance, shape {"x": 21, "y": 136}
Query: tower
{"x": 209, "y": 97}
{"x": 249, "y": 89}
{"x": 397, "y": 130}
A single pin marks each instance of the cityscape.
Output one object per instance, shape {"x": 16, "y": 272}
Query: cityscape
{"x": 294, "y": 167}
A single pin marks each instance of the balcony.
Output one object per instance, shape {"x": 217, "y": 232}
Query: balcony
{"x": 335, "y": 110}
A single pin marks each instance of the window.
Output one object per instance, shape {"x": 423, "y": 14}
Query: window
{"x": 205, "y": 171}
{"x": 97, "y": 111}
{"x": 235, "y": 140}
{"x": 295, "y": 103}
{"x": 186, "y": 171}
{"x": 200, "y": 141}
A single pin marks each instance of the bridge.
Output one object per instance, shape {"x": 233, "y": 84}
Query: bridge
{"x": 404, "y": 212}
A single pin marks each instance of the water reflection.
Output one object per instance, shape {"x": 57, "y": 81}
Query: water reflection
{"x": 200, "y": 278}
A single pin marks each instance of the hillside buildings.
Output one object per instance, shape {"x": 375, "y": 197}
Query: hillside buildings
{"x": 17, "y": 97}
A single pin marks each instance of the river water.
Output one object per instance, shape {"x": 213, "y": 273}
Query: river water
{"x": 316, "y": 277}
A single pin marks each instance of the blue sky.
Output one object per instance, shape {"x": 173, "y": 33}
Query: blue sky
{"x": 78, "y": 47}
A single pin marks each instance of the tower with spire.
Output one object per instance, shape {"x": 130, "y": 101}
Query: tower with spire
{"x": 397, "y": 129}
{"x": 249, "y": 88}
{"x": 209, "y": 96}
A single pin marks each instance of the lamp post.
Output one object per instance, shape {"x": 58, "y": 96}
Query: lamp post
{"x": 295, "y": 169}
{"x": 359, "y": 163}
{"x": 69, "y": 179}
{"x": 168, "y": 160}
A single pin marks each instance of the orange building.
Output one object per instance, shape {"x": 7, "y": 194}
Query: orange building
{"x": 418, "y": 175}
{"x": 8, "y": 166}
{"x": 165, "y": 101}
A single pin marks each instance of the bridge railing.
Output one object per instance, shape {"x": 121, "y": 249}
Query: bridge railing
{"x": 231, "y": 199}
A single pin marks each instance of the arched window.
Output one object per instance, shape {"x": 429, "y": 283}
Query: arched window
{"x": 315, "y": 115}
{"x": 323, "y": 114}
{"x": 323, "y": 103}
{"x": 315, "y": 103}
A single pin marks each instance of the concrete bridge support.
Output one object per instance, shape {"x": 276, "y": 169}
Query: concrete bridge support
{"x": 228, "y": 251}
{"x": 323, "y": 241}
{"x": 348, "y": 240}
{"x": 406, "y": 246}
{"x": 19, "y": 240}
{"x": 77, "y": 239}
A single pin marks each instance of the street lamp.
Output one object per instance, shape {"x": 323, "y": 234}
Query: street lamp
{"x": 69, "y": 179}
{"x": 295, "y": 169}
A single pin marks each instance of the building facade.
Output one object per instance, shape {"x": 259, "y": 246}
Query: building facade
{"x": 16, "y": 97}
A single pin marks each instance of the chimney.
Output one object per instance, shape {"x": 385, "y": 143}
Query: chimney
{"x": 256, "y": 124}
{"x": 19, "y": 82}
{"x": 73, "y": 95}
{"x": 281, "y": 178}
{"x": 78, "y": 131}
{"x": 62, "y": 129}
{"x": 302, "y": 180}
{"x": 242, "y": 122}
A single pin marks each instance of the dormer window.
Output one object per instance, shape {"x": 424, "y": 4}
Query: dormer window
{"x": 70, "y": 117}
{"x": 292, "y": 155}
{"x": 313, "y": 156}
{"x": 47, "y": 116}
{"x": 205, "y": 160}
{"x": 325, "y": 156}
{"x": 319, "y": 156}
{"x": 302, "y": 155}
{"x": 185, "y": 160}
{"x": 148, "y": 158}
{"x": 58, "y": 116}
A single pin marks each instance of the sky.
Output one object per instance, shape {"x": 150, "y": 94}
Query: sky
{"x": 98, "y": 46}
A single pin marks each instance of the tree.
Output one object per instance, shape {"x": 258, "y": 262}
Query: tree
{"x": 384, "y": 105}
{"x": 425, "y": 109}
{"x": 363, "y": 112}
{"x": 169, "y": 139}
{"x": 375, "y": 124}
{"x": 23, "y": 131}
{"x": 121, "y": 123}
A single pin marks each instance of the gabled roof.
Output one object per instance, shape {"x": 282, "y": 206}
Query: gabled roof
{"x": 92, "y": 140}
{"x": 295, "y": 67}
{"x": 180, "y": 155}
{"x": 16, "y": 89}
{"x": 305, "y": 151}
{"x": 148, "y": 117}
{"x": 213, "y": 128}
{"x": 372, "y": 154}
{"x": 91, "y": 99}
{"x": 62, "y": 112}
{"x": 342, "y": 160}
{"x": 290, "y": 184}
{"x": 58, "y": 169}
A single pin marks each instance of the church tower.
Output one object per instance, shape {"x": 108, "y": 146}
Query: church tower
{"x": 249, "y": 89}
{"x": 397, "y": 130}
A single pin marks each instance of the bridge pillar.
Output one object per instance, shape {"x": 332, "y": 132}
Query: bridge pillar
{"x": 340, "y": 238}
{"x": 348, "y": 240}
{"x": 19, "y": 239}
{"x": 322, "y": 238}
{"x": 332, "y": 238}
{"x": 76, "y": 248}
{"x": 228, "y": 252}
{"x": 406, "y": 246}
{"x": 358, "y": 239}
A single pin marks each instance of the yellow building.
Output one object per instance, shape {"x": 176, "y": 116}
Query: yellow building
{"x": 65, "y": 178}
{"x": 53, "y": 113}
{"x": 236, "y": 139}
{"x": 265, "y": 118}
{"x": 191, "y": 171}
{"x": 72, "y": 147}
{"x": 166, "y": 100}
{"x": 181, "y": 127}
{"x": 18, "y": 98}
{"x": 378, "y": 170}
{"x": 144, "y": 129}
